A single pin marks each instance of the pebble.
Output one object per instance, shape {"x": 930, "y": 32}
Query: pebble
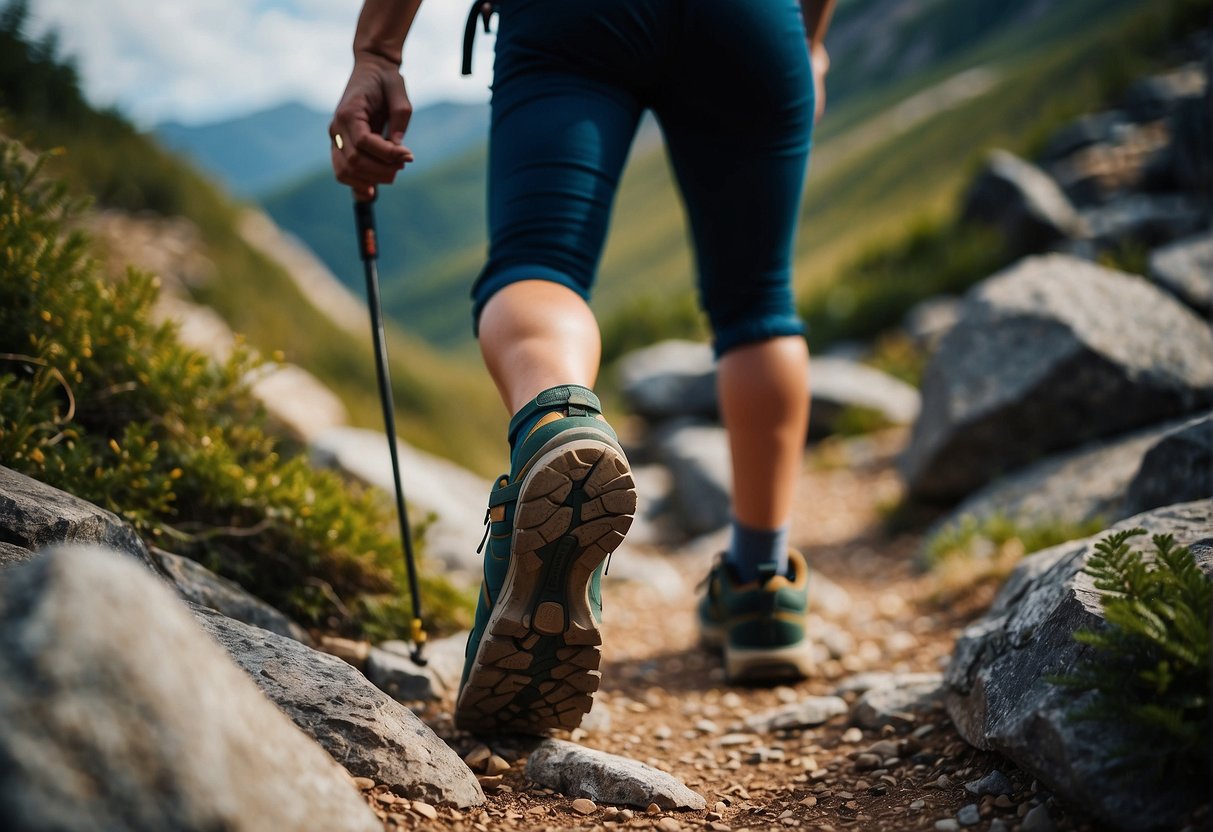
{"x": 653, "y": 809}
{"x": 717, "y": 826}
{"x": 947, "y": 825}
{"x": 669, "y": 825}
{"x": 852, "y": 735}
{"x": 583, "y": 806}
{"x": 364, "y": 783}
{"x": 1003, "y": 802}
{"x": 918, "y": 804}
{"x": 425, "y": 810}
{"x": 999, "y": 825}
{"x": 809, "y": 801}
{"x": 706, "y": 726}
{"x": 489, "y": 784}
{"x": 786, "y": 695}
{"x": 883, "y": 749}
{"x": 626, "y": 814}
{"x": 941, "y": 782}
{"x": 969, "y": 815}
{"x": 993, "y": 783}
{"x": 1037, "y": 820}
{"x": 729, "y": 740}
{"x": 477, "y": 757}
{"x": 496, "y": 765}
{"x": 867, "y": 762}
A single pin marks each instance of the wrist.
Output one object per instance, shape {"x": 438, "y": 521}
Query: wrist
{"x": 820, "y": 57}
{"x": 379, "y": 54}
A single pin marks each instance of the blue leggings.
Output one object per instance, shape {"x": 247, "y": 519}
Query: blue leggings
{"x": 731, "y": 86}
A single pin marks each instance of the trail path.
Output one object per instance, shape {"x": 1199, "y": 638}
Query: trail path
{"x": 664, "y": 702}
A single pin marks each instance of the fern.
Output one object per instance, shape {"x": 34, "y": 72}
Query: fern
{"x": 1149, "y": 666}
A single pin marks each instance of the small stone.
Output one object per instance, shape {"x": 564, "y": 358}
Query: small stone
{"x": 653, "y": 809}
{"x": 993, "y": 783}
{"x": 918, "y": 804}
{"x": 626, "y": 814}
{"x": 947, "y": 825}
{"x": 582, "y": 806}
{"x": 1037, "y": 820}
{"x": 731, "y": 701}
{"x": 999, "y": 825}
{"x": 717, "y": 826}
{"x": 729, "y": 740}
{"x": 941, "y": 782}
{"x": 489, "y": 784}
{"x": 706, "y": 726}
{"x": 809, "y": 801}
{"x": 477, "y": 757}
{"x": 969, "y": 815}
{"x": 719, "y": 807}
{"x": 883, "y": 749}
{"x": 425, "y": 810}
{"x": 364, "y": 783}
{"x": 496, "y": 765}
{"x": 668, "y": 824}
{"x": 1003, "y": 802}
{"x": 867, "y": 762}
{"x": 852, "y": 735}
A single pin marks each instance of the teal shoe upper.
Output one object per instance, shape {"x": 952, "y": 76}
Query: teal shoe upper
{"x": 767, "y": 613}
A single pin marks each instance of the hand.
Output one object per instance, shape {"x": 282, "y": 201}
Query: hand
{"x": 374, "y": 98}
{"x": 820, "y": 60}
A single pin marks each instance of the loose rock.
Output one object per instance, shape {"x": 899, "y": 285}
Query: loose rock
{"x": 897, "y": 704}
{"x": 807, "y": 713}
{"x": 1023, "y": 202}
{"x": 608, "y": 778}
{"x": 1178, "y": 468}
{"x": 1185, "y": 269}
{"x": 968, "y": 815}
{"x": 582, "y": 806}
{"x": 995, "y": 783}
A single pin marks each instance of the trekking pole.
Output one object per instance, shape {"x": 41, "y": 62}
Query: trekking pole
{"x": 364, "y": 217}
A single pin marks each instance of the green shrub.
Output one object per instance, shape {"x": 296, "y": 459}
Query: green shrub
{"x": 98, "y": 400}
{"x": 1149, "y": 667}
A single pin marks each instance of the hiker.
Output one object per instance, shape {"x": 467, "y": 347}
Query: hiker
{"x": 735, "y": 86}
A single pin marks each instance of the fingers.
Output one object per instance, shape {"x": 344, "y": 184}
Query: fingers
{"x": 361, "y": 156}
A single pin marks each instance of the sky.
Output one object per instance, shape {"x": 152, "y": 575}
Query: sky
{"x": 198, "y": 61}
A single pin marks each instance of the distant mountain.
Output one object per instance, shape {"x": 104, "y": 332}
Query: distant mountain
{"x": 259, "y": 153}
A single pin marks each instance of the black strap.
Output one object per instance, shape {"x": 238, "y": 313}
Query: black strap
{"x": 483, "y": 9}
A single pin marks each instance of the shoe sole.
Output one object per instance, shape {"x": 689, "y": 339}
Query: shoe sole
{"x": 774, "y": 664}
{"x": 536, "y": 668}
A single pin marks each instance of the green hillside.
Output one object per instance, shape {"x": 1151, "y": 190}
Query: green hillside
{"x": 444, "y": 405}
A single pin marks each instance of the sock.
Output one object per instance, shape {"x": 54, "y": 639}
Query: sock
{"x": 754, "y": 548}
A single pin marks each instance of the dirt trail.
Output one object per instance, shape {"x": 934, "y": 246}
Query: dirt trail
{"x": 663, "y": 701}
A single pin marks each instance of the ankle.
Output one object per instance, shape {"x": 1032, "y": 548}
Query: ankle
{"x": 754, "y": 551}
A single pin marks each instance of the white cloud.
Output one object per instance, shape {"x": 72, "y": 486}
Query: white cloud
{"x": 199, "y": 60}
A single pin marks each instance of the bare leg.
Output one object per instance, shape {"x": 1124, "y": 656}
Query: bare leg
{"x": 764, "y": 402}
{"x": 536, "y": 334}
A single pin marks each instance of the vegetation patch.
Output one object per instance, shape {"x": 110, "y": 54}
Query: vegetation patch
{"x": 99, "y": 400}
{"x": 1150, "y": 666}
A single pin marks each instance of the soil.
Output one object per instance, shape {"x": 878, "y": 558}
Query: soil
{"x": 663, "y": 700}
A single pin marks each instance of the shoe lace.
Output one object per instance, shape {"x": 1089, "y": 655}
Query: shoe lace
{"x": 487, "y": 526}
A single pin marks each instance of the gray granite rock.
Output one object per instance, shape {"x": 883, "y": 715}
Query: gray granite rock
{"x": 840, "y": 384}
{"x": 607, "y": 778}
{"x": 697, "y": 456}
{"x": 1177, "y": 469}
{"x": 1049, "y": 354}
{"x": 444, "y": 662}
{"x": 874, "y": 679}
{"x": 116, "y": 712}
{"x": 453, "y": 498}
{"x": 11, "y": 555}
{"x": 1087, "y": 130}
{"x": 1155, "y": 96}
{"x": 999, "y": 696}
{"x": 929, "y": 320}
{"x": 994, "y": 783}
{"x": 898, "y": 703}
{"x": 1185, "y": 269}
{"x": 1144, "y": 219}
{"x": 1023, "y": 202}
{"x": 808, "y": 712}
{"x": 669, "y": 380}
{"x": 200, "y": 585}
{"x": 1073, "y": 487}
{"x": 364, "y": 729}
{"x": 34, "y": 515}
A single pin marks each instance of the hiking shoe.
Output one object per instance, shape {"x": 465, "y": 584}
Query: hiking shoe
{"x": 759, "y": 626}
{"x": 532, "y": 658}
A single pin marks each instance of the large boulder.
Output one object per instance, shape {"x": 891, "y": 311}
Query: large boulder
{"x": 669, "y": 380}
{"x": 1185, "y": 269}
{"x": 840, "y": 385}
{"x": 1051, "y": 353}
{"x": 1023, "y": 202}
{"x": 434, "y": 486}
{"x": 1178, "y": 468}
{"x": 364, "y": 729}
{"x": 1079, "y": 486}
{"x": 34, "y": 515}
{"x": 116, "y": 712}
{"x": 1000, "y": 698}
{"x": 1144, "y": 220}
{"x": 199, "y": 585}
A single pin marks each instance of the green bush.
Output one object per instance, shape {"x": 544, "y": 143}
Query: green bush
{"x": 973, "y": 538}
{"x": 98, "y": 400}
{"x": 1149, "y": 667}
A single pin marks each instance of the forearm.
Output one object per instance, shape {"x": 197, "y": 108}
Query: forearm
{"x": 382, "y": 27}
{"x": 817, "y": 14}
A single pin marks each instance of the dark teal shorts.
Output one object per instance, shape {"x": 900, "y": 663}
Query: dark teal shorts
{"x": 730, "y": 84}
